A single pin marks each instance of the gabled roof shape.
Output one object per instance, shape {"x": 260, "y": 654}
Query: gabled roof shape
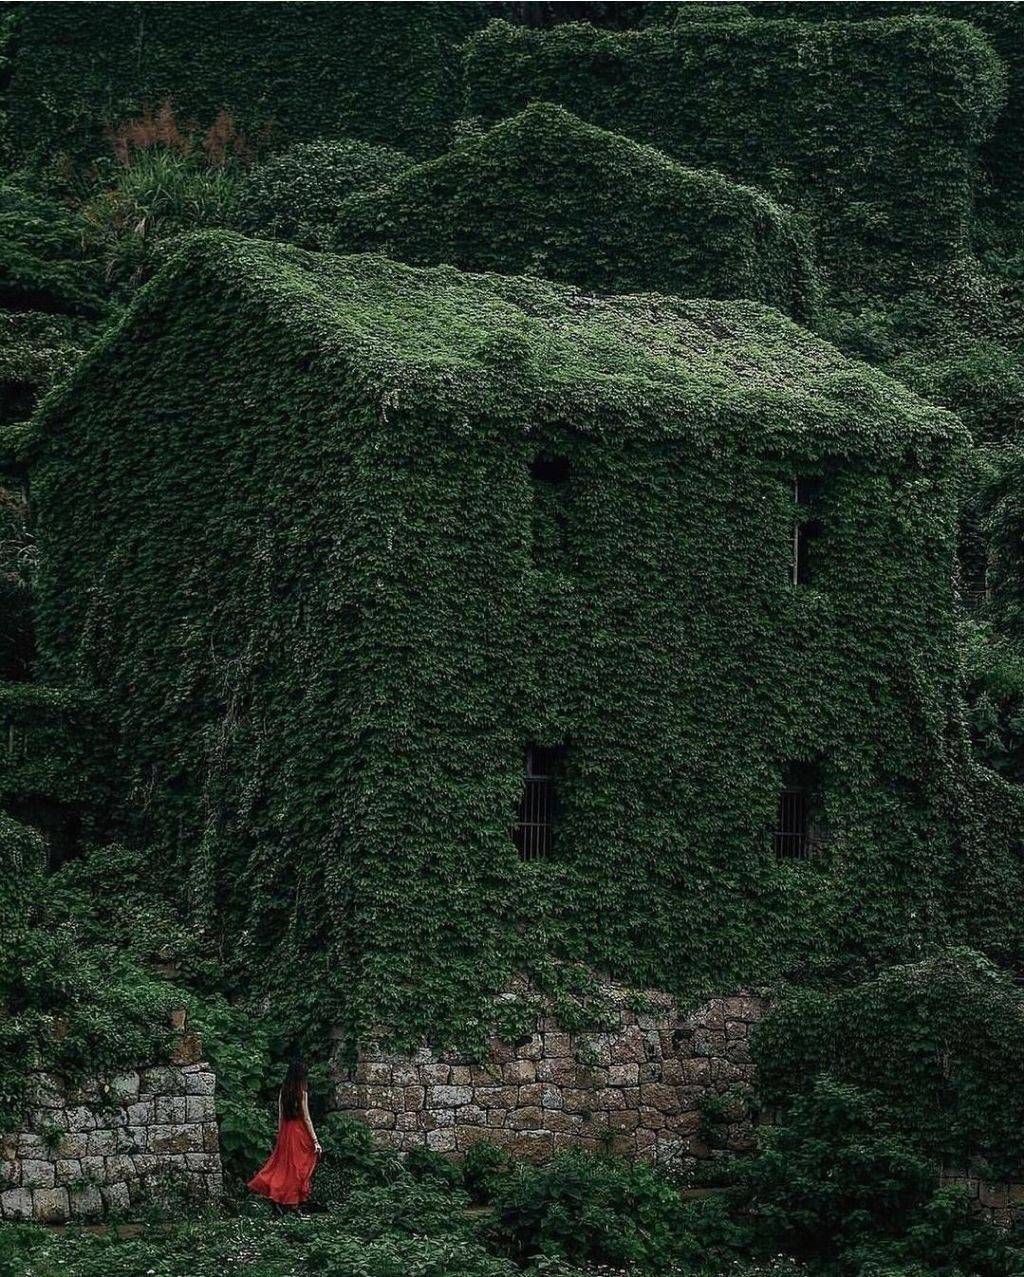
{"x": 546, "y": 194}
{"x": 648, "y": 365}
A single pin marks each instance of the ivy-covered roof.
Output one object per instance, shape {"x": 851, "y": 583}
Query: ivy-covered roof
{"x": 545, "y": 193}
{"x": 656, "y": 365}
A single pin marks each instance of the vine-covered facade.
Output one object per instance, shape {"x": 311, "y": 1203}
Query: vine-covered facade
{"x": 398, "y": 531}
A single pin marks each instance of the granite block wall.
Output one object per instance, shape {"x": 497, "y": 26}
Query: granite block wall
{"x": 637, "y": 1086}
{"x": 113, "y": 1144}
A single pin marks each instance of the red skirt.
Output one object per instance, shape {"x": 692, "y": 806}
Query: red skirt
{"x": 287, "y": 1175}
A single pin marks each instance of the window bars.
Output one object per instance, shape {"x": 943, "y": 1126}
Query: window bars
{"x": 539, "y": 808}
{"x": 792, "y": 837}
{"x": 798, "y": 833}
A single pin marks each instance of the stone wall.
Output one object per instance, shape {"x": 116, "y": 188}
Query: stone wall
{"x": 1001, "y": 1202}
{"x": 111, "y": 1145}
{"x": 637, "y": 1086}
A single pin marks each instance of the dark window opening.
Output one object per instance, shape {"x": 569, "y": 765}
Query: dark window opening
{"x": 17, "y": 401}
{"x": 550, "y": 474}
{"x": 540, "y": 806}
{"x": 550, "y": 469}
{"x": 798, "y": 831}
{"x": 59, "y": 824}
{"x": 807, "y": 530}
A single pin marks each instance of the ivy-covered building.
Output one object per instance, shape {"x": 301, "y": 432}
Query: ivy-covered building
{"x": 452, "y": 626}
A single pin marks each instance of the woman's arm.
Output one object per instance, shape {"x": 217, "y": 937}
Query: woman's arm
{"x": 309, "y": 1124}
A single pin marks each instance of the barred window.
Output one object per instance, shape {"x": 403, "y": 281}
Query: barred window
{"x": 536, "y": 821}
{"x": 798, "y": 831}
{"x": 807, "y": 529}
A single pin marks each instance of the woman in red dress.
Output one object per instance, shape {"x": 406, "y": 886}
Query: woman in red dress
{"x": 287, "y": 1176}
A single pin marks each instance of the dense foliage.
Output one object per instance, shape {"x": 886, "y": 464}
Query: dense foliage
{"x": 297, "y": 196}
{"x": 871, "y": 129}
{"x": 290, "y": 549}
{"x": 941, "y": 1042}
{"x": 293, "y": 71}
{"x": 545, "y": 194}
{"x": 320, "y": 817}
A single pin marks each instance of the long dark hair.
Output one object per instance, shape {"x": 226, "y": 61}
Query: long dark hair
{"x": 292, "y": 1087}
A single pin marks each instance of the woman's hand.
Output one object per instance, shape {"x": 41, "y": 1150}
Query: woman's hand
{"x": 318, "y": 1148}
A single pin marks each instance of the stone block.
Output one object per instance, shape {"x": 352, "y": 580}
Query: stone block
{"x": 125, "y": 1087}
{"x": 624, "y": 1074}
{"x": 175, "y": 1139}
{"x": 461, "y": 1075}
{"x": 531, "y": 1049}
{"x": 141, "y": 1113}
{"x": 67, "y": 1169}
{"x": 578, "y": 1101}
{"x": 609, "y": 1097}
{"x": 16, "y": 1203}
{"x": 205, "y": 1162}
{"x": 448, "y": 1096}
{"x": 32, "y": 1145}
{"x": 201, "y": 1082}
{"x": 532, "y": 1146}
{"x": 37, "y": 1174}
{"x": 169, "y": 1110}
{"x": 380, "y": 1119}
{"x": 487, "y": 1073}
{"x": 132, "y": 1139}
{"x": 627, "y": 1049}
{"x": 92, "y": 1168}
{"x": 435, "y": 1074}
{"x": 50, "y": 1205}
{"x": 10, "y": 1173}
{"x": 8, "y": 1146}
{"x": 466, "y": 1136}
{"x": 45, "y": 1091}
{"x": 187, "y": 1049}
{"x": 373, "y": 1072}
{"x": 413, "y": 1098}
{"x": 659, "y": 1096}
{"x": 85, "y": 1202}
{"x": 551, "y": 1097}
{"x": 160, "y": 1082}
{"x": 102, "y": 1143}
{"x": 442, "y": 1141}
{"x": 119, "y": 1168}
{"x": 519, "y": 1071}
{"x": 73, "y": 1145}
{"x": 210, "y": 1137}
{"x": 530, "y": 1118}
{"x": 496, "y": 1118}
{"x": 557, "y": 1044}
{"x": 560, "y": 1070}
{"x": 200, "y": 1108}
{"x": 54, "y": 1119}
{"x": 116, "y": 1197}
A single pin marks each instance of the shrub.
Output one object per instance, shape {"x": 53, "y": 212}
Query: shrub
{"x": 156, "y": 194}
{"x": 405, "y": 1208}
{"x": 350, "y": 1159}
{"x": 424, "y": 1164}
{"x": 942, "y": 1041}
{"x": 296, "y": 196}
{"x": 484, "y": 1168}
{"x": 838, "y": 1182}
{"x": 600, "y": 1210}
